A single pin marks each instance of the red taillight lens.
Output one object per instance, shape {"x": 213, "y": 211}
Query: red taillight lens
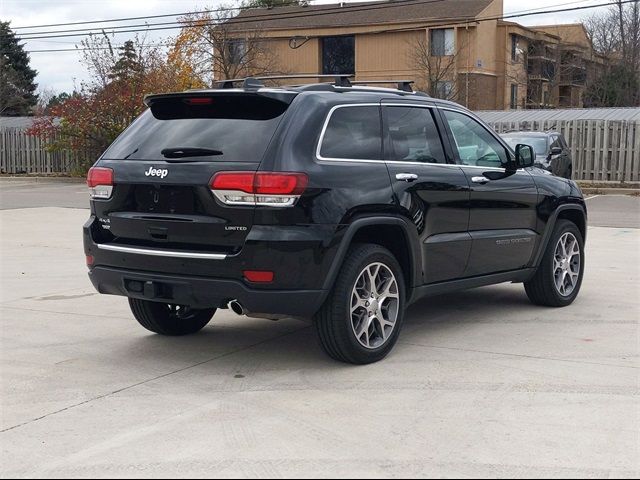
{"x": 258, "y": 276}
{"x": 275, "y": 189}
{"x": 99, "y": 176}
{"x": 236, "y": 181}
{"x": 280, "y": 183}
{"x": 90, "y": 260}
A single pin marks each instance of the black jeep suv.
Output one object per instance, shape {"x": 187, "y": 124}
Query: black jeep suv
{"x": 333, "y": 202}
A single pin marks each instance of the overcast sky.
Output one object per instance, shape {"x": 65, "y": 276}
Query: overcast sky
{"x": 59, "y": 71}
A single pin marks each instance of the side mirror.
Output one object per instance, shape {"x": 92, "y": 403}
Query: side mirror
{"x": 524, "y": 156}
{"x": 556, "y": 151}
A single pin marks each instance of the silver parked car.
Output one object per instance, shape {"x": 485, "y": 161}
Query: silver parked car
{"x": 551, "y": 150}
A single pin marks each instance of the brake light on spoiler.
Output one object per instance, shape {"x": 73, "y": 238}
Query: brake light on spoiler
{"x": 264, "y": 189}
{"x": 100, "y": 182}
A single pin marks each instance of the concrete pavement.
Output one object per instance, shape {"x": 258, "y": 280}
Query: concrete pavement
{"x": 27, "y": 193}
{"x": 482, "y": 383}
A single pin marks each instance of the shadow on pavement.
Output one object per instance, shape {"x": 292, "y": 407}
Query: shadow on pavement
{"x": 254, "y": 344}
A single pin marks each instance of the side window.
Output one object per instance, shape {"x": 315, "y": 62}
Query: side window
{"x": 353, "y": 133}
{"x": 476, "y": 146}
{"x": 413, "y": 135}
{"x": 555, "y": 142}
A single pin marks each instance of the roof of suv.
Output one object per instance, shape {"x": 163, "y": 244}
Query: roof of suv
{"x": 354, "y": 92}
{"x": 364, "y": 87}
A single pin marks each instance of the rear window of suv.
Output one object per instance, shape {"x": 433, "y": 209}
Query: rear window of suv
{"x": 237, "y": 128}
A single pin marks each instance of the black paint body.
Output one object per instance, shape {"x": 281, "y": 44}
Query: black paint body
{"x": 448, "y": 232}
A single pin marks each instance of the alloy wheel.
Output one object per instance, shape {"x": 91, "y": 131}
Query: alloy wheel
{"x": 375, "y": 304}
{"x": 566, "y": 264}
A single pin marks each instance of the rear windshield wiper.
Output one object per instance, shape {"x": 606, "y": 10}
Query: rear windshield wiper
{"x": 182, "y": 152}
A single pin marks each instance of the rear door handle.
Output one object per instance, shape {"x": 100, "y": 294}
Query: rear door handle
{"x": 406, "y": 177}
{"x": 480, "y": 179}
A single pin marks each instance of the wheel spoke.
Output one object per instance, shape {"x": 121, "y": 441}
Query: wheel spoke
{"x": 388, "y": 290}
{"x": 357, "y": 302}
{"x": 372, "y": 277}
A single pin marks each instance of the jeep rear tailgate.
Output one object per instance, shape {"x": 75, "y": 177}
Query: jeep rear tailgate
{"x": 164, "y": 162}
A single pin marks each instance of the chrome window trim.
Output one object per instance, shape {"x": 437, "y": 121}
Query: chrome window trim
{"x": 481, "y": 123}
{"x": 324, "y": 131}
{"x": 161, "y": 253}
{"x": 401, "y": 162}
{"x": 363, "y": 160}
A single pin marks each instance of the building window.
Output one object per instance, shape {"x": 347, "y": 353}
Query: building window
{"x": 338, "y": 55}
{"x": 442, "y": 42}
{"x": 445, "y": 90}
{"x": 236, "y": 51}
{"x": 514, "y": 96}
{"x": 514, "y": 48}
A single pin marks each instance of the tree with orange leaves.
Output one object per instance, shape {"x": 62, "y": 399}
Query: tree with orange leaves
{"x": 99, "y": 110}
{"x": 210, "y": 47}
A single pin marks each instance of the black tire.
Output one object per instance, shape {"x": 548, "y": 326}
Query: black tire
{"x": 170, "y": 320}
{"x": 541, "y": 289}
{"x": 334, "y": 323}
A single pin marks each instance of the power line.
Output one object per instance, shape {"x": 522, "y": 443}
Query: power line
{"x": 267, "y": 16}
{"x": 292, "y": 15}
{"x": 126, "y": 19}
{"x": 523, "y": 13}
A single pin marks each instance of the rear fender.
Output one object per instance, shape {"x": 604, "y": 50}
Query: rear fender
{"x": 410, "y": 242}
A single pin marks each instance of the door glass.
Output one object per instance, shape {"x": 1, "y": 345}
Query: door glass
{"x": 414, "y": 136}
{"x": 353, "y": 133}
{"x": 476, "y": 146}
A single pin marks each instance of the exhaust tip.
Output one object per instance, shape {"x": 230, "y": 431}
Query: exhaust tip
{"x": 235, "y": 306}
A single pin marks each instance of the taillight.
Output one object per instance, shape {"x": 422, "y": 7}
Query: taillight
{"x": 266, "y": 189}
{"x": 100, "y": 182}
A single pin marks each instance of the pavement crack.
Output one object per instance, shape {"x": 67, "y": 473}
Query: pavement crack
{"x": 520, "y": 355}
{"x": 158, "y": 377}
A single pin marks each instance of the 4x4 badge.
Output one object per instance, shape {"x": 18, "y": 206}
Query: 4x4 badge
{"x": 157, "y": 172}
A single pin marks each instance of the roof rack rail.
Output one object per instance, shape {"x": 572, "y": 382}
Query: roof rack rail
{"x": 340, "y": 80}
{"x": 404, "y": 85}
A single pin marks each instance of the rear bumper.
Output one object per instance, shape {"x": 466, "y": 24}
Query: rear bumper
{"x": 200, "y": 292}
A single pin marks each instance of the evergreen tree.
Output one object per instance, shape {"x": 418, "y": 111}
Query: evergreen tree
{"x": 128, "y": 65}
{"x": 17, "y": 86}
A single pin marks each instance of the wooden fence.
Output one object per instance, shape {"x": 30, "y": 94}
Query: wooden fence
{"x": 22, "y": 153}
{"x": 602, "y": 150}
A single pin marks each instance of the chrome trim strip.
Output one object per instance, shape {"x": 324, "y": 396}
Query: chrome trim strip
{"x": 396, "y": 162}
{"x": 324, "y": 130}
{"x": 161, "y": 253}
{"x": 221, "y": 195}
{"x": 346, "y": 105}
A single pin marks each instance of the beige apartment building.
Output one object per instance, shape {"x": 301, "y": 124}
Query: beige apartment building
{"x": 456, "y": 49}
